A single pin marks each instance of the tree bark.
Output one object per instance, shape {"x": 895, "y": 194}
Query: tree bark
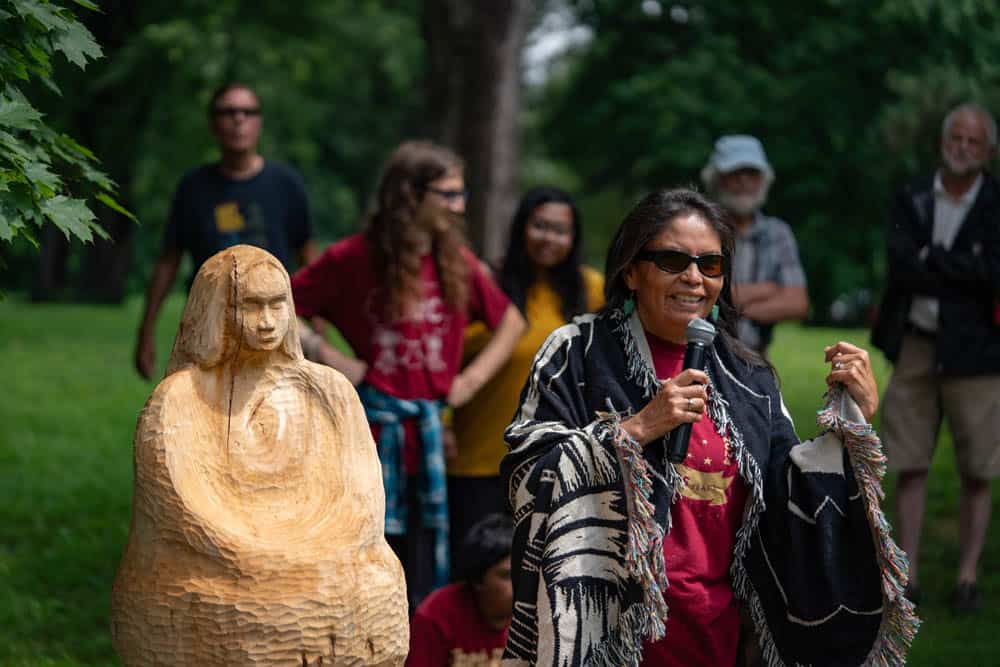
{"x": 474, "y": 91}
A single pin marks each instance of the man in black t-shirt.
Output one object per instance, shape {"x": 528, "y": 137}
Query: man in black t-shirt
{"x": 240, "y": 199}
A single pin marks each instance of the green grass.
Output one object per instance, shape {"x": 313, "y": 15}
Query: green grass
{"x": 66, "y": 472}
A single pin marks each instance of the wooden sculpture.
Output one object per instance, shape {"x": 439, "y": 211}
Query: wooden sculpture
{"x": 258, "y": 508}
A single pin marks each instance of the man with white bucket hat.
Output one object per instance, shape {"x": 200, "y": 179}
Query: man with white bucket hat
{"x": 769, "y": 285}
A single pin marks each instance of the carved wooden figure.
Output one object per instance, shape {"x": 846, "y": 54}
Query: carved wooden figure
{"x": 258, "y": 510}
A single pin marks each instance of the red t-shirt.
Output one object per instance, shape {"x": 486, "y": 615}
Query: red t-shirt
{"x": 703, "y": 625}
{"x": 413, "y": 357}
{"x": 448, "y": 629}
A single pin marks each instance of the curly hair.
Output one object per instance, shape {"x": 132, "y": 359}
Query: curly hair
{"x": 394, "y": 232}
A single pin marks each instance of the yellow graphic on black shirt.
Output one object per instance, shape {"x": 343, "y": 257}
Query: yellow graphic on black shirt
{"x": 460, "y": 658}
{"x": 228, "y": 218}
{"x": 700, "y": 485}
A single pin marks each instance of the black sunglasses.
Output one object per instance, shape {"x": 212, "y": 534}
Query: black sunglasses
{"x": 232, "y": 112}
{"x": 712, "y": 265}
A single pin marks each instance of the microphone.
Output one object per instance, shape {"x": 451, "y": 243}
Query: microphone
{"x": 700, "y": 334}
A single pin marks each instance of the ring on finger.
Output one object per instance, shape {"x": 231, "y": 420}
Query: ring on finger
{"x": 691, "y": 404}
{"x": 838, "y": 365}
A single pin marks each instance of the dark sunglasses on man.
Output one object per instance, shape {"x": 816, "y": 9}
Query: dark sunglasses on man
{"x": 233, "y": 112}
{"x": 712, "y": 265}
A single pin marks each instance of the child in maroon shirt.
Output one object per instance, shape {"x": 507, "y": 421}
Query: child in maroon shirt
{"x": 466, "y": 623}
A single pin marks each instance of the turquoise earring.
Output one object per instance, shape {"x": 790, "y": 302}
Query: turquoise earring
{"x": 629, "y": 304}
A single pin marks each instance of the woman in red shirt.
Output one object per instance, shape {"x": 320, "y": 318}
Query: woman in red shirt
{"x": 623, "y": 556}
{"x": 401, "y": 292}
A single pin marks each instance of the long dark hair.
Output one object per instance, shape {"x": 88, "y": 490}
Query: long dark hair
{"x": 518, "y": 273}
{"x": 391, "y": 228}
{"x": 652, "y": 215}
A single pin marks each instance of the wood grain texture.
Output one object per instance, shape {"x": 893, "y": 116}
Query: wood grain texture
{"x": 258, "y": 509}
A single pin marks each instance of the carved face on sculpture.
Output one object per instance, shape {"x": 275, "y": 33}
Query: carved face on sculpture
{"x": 241, "y": 299}
{"x": 263, "y": 309}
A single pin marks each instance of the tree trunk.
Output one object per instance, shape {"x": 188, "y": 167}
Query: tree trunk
{"x": 53, "y": 256}
{"x": 98, "y": 271}
{"x": 474, "y": 90}
{"x": 104, "y": 275}
{"x": 106, "y": 263}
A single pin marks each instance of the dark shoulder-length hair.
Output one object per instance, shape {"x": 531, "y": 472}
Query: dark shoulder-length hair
{"x": 654, "y": 213}
{"x": 518, "y": 272}
{"x": 392, "y": 227}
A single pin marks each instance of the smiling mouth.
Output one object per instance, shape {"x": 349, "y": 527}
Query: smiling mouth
{"x": 688, "y": 300}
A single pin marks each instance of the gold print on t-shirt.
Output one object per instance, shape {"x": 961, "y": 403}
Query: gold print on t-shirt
{"x": 700, "y": 485}
{"x": 460, "y": 658}
{"x": 228, "y": 218}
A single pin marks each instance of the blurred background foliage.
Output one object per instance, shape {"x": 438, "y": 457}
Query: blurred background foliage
{"x": 619, "y": 96}
{"x": 46, "y": 178}
{"x": 847, "y": 96}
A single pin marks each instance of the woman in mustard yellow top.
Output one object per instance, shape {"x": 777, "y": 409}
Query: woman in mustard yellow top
{"x": 544, "y": 277}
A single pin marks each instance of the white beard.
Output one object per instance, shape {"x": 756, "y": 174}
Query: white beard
{"x": 961, "y": 165}
{"x": 742, "y": 204}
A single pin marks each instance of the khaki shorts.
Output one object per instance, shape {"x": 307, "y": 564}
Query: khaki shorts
{"x": 917, "y": 400}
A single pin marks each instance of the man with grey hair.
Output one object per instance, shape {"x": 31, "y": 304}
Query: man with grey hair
{"x": 769, "y": 285}
{"x": 939, "y": 325}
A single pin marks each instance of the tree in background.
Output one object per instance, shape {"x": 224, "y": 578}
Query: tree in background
{"x": 847, "y": 95}
{"x": 339, "y": 84}
{"x": 474, "y": 101}
{"x": 45, "y": 176}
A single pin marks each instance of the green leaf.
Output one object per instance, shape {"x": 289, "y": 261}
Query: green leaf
{"x": 50, "y": 84}
{"x": 68, "y": 143}
{"x": 8, "y": 227}
{"x": 98, "y": 177}
{"x": 46, "y": 14}
{"x": 17, "y": 209}
{"x": 77, "y": 44}
{"x": 13, "y": 64}
{"x": 14, "y": 148}
{"x": 73, "y": 217}
{"x": 88, "y": 5}
{"x": 18, "y": 114}
{"x": 40, "y": 55}
{"x": 113, "y": 204}
{"x": 40, "y": 176}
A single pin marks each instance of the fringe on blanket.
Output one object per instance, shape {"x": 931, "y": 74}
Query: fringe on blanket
{"x": 644, "y": 549}
{"x": 899, "y": 620}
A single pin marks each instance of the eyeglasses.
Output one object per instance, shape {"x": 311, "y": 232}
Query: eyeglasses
{"x": 232, "y": 112}
{"x": 543, "y": 226}
{"x": 449, "y": 195}
{"x": 712, "y": 265}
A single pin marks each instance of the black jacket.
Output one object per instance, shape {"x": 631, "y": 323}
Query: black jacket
{"x": 966, "y": 279}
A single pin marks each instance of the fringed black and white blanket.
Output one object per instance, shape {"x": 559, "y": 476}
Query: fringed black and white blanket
{"x": 813, "y": 562}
